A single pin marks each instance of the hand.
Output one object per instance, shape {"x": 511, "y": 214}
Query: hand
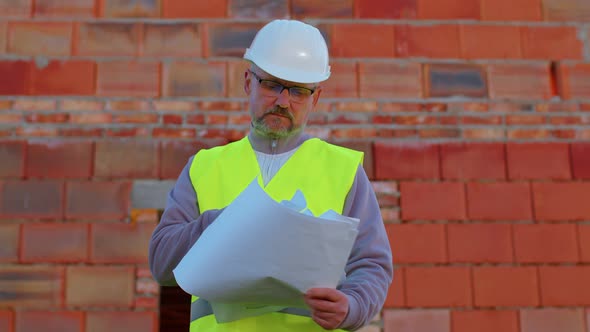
{"x": 329, "y": 306}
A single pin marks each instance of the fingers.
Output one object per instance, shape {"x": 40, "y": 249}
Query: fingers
{"x": 329, "y": 294}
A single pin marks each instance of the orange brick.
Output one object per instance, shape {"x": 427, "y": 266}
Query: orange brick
{"x": 64, "y": 78}
{"x": 417, "y": 320}
{"x": 67, "y": 8}
{"x": 455, "y": 80}
{"x": 91, "y": 118}
{"x": 565, "y": 285}
{"x": 445, "y": 201}
{"x": 528, "y": 119}
{"x": 175, "y": 155}
{"x": 193, "y": 9}
{"x": 129, "y": 105}
{"x": 539, "y": 43}
{"x": 480, "y": 243}
{"x": 438, "y": 286}
{"x": 528, "y": 134}
{"x": 448, "y": 9}
{"x": 301, "y": 9}
{"x": 490, "y": 42}
{"x": 499, "y": 201}
{"x": 484, "y": 321}
{"x": 48, "y": 38}
{"x": 390, "y": 80}
{"x": 66, "y": 321}
{"x": 545, "y": 243}
{"x": 566, "y": 10}
{"x": 74, "y": 105}
{"x": 519, "y": 81}
{"x": 54, "y": 242}
{"x": 130, "y": 8}
{"x": 552, "y": 319}
{"x": 519, "y": 286}
{"x": 128, "y": 132}
{"x": 396, "y": 294}
{"x": 121, "y": 321}
{"x": 59, "y": 159}
{"x": 16, "y": 8}
{"x": 561, "y": 201}
{"x": 12, "y": 154}
{"x": 574, "y": 81}
{"x": 230, "y": 39}
{"x": 107, "y": 39}
{"x": 120, "y": 243}
{"x": 507, "y": 10}
{"x": 146, "y": 118}
{"x": 10, "y": 239}
{"x": 173, "y": 105}
{"x": 432, "y": 41}
{"x": 111, "y": 157}
{"x": 473, "y": 161}
{"x": 36, "y": 131}
{"x": 194, "y": 79}
{"x": 174, "y": 133}
{"x": 114, "y": 198}
{"x": 31, "y": 199}
{"x": 6, "y": 320}
{"x": 3, "y": 37}
{"x": 580, "y": 160}
{"x": 137, "y": 79}
{"x": 112, "y": 286}
{"x": 361, "y": 40}
{"x": 31, "y": 286}
{"x": 167, "y": 40}
{"x": 267, "y": 9}
{"x": 406, "y": 161}
{"x": 418, "y": 243}
{"x": 529, "y": 161}
{"x": 235, "y": 82}
{"x": 342, "y": 81}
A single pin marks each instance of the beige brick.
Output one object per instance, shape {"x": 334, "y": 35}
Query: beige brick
{"x": 100, "y": 286}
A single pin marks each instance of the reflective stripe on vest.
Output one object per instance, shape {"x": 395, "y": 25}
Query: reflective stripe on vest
{"x": 219, "y": 175}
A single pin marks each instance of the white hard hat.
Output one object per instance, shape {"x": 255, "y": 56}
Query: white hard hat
{"x": 290, "y": 50}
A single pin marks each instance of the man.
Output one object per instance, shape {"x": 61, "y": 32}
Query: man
{"x": 288, "y": 61}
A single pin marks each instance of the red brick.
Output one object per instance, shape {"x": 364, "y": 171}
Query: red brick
{"x": 31, "y": 199}
{"x": 561, "y": 201}
{"x": 172, "y": 119}
{"x": 130, "y": 8}
{"x": 480, "y": 243}
{"x": 111, "y": 159}
{"x": 566, "y": 10}
{"x": 518, "y": 285}
{"x": 361, "y": 40}
{"x": 499, "y": 201}
{"x": 417, "y": 243}
{"x": 573, "y": 80}
{"x": 76, "y": 132}
{"x": 14, "y": 77}
{"x": 194, "y": 79}
{"x": 128, "y": 132}
{"x": 29, "y": 104}
{"x": 545, "y": 243}
{"x": 539, "y": 43}
{"x": 343, "y": 81}
{"x": 565, "y": 285}
{"x": 6, "y": 321}
{"x": 174, "y": 133}
{"x": 12, "y": 154}
{"x": 112, "y": 286}
{"x": 173, "y": 106}
{"x": 175, "y": 155}
{"x": 147, "y": 302}
{"x": 432, "y": 41}
{"x": 137, "y": 79}
{"x": 528, "y": 134}
{"x": 81, "y": 105}
{"x": 107, "y": 39}
{"x": 552, "y": 319}
{"x": 267, "y": 9}
{"x": 301, "y": 9}
{"x": 67, "y": 8}
{"x": 91, "y": 118}
{"x": 235, "y": 80}
{"x": 120, "y": 243}
{"x": 396, "y": 294}
{"x": 54, "y": 242}
{"x": 406, "y": 161}
{"x": 455, "y": 80}
{"x": 121, "y": 321}
{"x": 490, "y": 42}
{"x": 448, "y": 9}
{"x": 146, "y": 118}
{"x": 528, "y": 119}
{"x": 538, "y": 161}
{"x": 59, "y": 159}
{"x": 473, "y": 161}
{"x": 3, "y": 37}
{"x": 16, "y": 8}
{"x": 51, "y": 321}
{"x": 129, "y": 105}
{"x": 386, "y": 9}
{"x": 434, "y": 320}
{"x": 444, "y": 201}
{"x": 47, "y": 118}
{"x": 36, "y": 131}
{"x": 390, "y": 80}
{"x": 193, "y": 9}
{"x": 9, "y": 237}
{"x": 114, "y": 198}
{"x": 167, "y": 40}
{"x": 584, "y": 241}
{"x": 519, "y": 81}
{"x": 507, "y": 10}
{"x": 230, "y": 39}
{"x": 438, "y": 286}
{"x": 484, "y": 321}
{"x": 31, "y": 286}
{"x": 64, "y": 78}
{"x": 47, "y": 38}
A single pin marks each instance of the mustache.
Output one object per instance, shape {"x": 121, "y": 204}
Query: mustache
{"x": 279, "y": 111}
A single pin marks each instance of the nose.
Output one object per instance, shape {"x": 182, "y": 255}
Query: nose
{"x": 283, "y": 99}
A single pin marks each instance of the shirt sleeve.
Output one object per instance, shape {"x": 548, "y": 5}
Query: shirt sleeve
{"x": 180, "y": 226}
{"x": 369, "y": 270}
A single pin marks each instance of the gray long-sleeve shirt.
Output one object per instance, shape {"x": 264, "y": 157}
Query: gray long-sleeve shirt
{"x": 369, "y": 270}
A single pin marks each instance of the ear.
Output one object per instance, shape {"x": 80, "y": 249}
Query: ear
{"x": 316, "y": 96}
{"x": 247, "y": 80}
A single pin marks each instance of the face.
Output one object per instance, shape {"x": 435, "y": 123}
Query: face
{"x": 278, "y": 108}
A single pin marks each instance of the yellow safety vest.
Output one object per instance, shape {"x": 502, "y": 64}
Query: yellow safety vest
{"x": 323, "y": 172}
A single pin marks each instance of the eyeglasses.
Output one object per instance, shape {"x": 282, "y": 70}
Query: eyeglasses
{"x": 274, "y": 89}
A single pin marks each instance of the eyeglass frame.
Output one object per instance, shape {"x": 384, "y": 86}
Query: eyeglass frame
{"x": 283, "y": 88}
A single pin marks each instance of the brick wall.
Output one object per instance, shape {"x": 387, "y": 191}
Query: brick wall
{"x": 473, "y": 114}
